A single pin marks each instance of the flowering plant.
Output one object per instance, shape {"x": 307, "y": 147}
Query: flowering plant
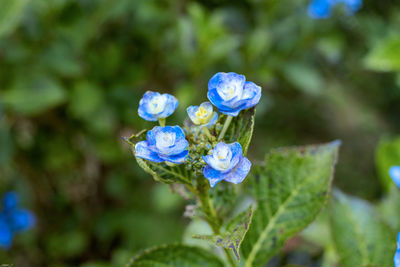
{"x": 206, "y": 161}
{"x": 13, "y": 219}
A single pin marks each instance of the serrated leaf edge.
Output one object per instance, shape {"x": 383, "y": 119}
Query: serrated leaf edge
{"x": 258, "y": 244}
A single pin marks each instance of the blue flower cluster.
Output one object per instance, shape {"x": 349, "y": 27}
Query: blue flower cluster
{"x": 13, "y": 219}
{"x": 321, "y": 9}
{"x": 230, "y": 93}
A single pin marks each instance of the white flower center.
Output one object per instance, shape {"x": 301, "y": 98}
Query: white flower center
{"x": 164, "y": 140}
{"x": 157, "y": 104}
{"x": 230, "y": 91}
{"x": 222, "y": 157}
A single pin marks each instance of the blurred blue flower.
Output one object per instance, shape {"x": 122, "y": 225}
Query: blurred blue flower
{"x": 230, "y": 93}
{"x": 394, "y": 173}
{"x": 321, "y": 9}
{"x": 397, "y": 254}
{"x": 226, "y": 163}
{"x": 163, "y": 144}
{"x": 6, "y": 234}
{"x": 202, "y": 115}
{"x": 13, "y": 219}
{"x": 154, "y": 106}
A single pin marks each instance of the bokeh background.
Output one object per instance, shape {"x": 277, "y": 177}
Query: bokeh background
{"x": 73, "y": 71}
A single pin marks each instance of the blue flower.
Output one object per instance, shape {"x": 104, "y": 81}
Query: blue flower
{"x": 321, "y": 9}
{"x": 397, "y": 254}
{"x": 6, "y": 234}
{"x": 394, "y": 173}
{"x": 226, "y": 163}
{"x": 202, "y": 115}
{"x": 163, "y": 144}
{"x": 13, "y": 219}
{"x": 230, "y": 93}
{"x": 154, "y": 106}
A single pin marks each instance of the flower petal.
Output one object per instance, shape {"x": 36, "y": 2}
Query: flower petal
{"x": 240, "y": 172}
{"x": 143, "y": 110}
{"x": 397, "y": 254}
{"x": 219, "y": 88}
{"x": 178, "y": 147}
{"x": 21, "y": 220}
{"x": 394, "y": 173}
{"x": 170, "y": 107}
{"x": 151, "y": 135}
{"x": 166, "y": 105}
{"x": 319, "y": 9}
{"x": 207, "y": 106}
{"x": 212, "y": 175}
{"x": 252, "y": 94}
{"x": 177, "y": 158}
{"x": 212, "y": 121}
{"x": 6, "y": 234}
{"x": 228, "y": 85}
{"x": 142, "y": 151}
{"x": 237, "y": 153}
{"x": 220, "y": 159}
{"x": 10, "y": 201}
{"x": 191, "y": 111}
{"x": 215, "y": 98}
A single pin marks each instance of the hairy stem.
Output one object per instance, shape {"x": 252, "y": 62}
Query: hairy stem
{"x": 226, "y": 125}
{"x": 211, "y": 216}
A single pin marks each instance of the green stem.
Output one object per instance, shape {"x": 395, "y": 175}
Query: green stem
{"x": 226, "y": 125}
{"x": 161, "y": 121}
{"x": 209, "y": 211}
{"x": 207, "y": 133}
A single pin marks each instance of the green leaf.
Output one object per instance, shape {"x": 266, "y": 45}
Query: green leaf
{"x": 175, "y": 255}
{"x": 241, "y": 129}
{"x": 33, "y": 96}
{"x": 11, "y": 13}
{"x": 385, "y": 56}
{"x": 290, "y": 188}
{"x": 387, "y": 155}
{"x": 360, "y": 237}
{"x": 161, "y": 172}
{"x": 389, "y": 208}
{"x": 234, "y": 234}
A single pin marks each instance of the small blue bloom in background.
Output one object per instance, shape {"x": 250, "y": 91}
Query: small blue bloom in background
{"x": 202, "y": 115}
{"x": 397, "y": 254}
{"x": 322, "y": 9}
{"x": 394, "y": 173}
{"x": 154, "y": 106}
{"x": 226, "y": 163}
{"x": 163, "y": 144}
{"x": 230, "y": 93}
{"x": 13, "y": 219}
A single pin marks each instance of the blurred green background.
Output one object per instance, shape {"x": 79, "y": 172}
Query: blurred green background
{"x": 72, "y": 73}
